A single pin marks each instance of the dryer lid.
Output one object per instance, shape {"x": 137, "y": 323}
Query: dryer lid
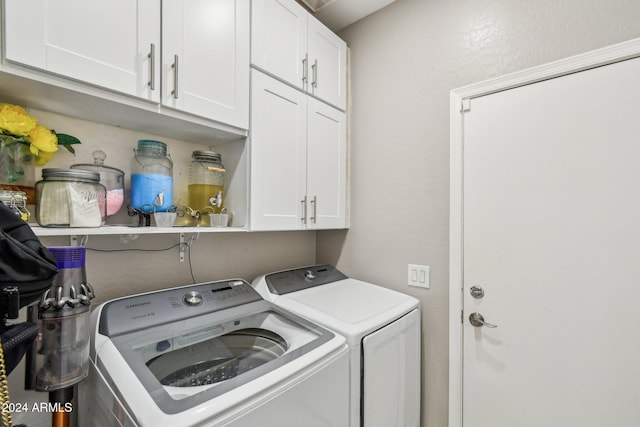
{"x": 350, "y": 307}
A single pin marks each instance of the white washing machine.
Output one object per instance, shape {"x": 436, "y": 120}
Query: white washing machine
{"x": 212, "y": 354}
{"x": 382, "y": 328}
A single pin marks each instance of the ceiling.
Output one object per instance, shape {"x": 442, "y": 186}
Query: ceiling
{"x": 338, "y": 14}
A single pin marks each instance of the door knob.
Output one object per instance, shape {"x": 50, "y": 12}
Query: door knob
{"x": 476, "y": 319}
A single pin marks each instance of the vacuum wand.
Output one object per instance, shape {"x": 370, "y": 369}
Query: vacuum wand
{"x": 62, "y": 400}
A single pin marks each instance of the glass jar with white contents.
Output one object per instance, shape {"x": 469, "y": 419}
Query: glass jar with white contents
{"x": 70, "y": 198}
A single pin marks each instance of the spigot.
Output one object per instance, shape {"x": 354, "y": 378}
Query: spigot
{"x": 144, "y": 218}
{"x": 217, "y": 200}
{"x": 159, "y": 200}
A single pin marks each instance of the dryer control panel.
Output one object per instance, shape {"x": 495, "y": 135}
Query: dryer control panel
{"x": 141, "y": 311}
{"x": 283, "y": 282}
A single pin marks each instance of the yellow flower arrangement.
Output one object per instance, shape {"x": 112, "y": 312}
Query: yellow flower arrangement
{"x": 19, "y": 127}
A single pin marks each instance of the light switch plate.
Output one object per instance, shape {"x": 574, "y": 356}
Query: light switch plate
{"x": 418, "y": 275}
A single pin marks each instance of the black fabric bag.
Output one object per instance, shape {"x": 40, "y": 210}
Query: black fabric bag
{"x": 16, "y": 340}
{"x": 27, "y": 269}
{"x": 24, "y": 262}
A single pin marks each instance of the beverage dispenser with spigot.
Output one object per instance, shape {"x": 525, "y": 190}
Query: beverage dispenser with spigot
{"x": 151, "y": 177}
{"x": 206, "y": 184}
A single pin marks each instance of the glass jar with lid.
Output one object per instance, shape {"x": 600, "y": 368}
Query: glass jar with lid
{"x": 70, "y": 198}
{"x": 112, "y": 178}
{"x": 151, "y": 177}
{"x": 206, "y": 182}
{"x": 17, "y": 202}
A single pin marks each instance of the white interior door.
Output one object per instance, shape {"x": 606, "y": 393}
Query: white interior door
{"x": 551, "y": 214}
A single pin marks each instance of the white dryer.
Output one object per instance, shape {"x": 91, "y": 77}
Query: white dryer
{"x": 382, "y": 328}
{"x": 212, "y": 354}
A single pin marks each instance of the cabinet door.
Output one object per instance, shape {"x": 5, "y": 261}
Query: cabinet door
{"x": 326, "y": 166}
{"x": 278, "y": 154}
{"x": 327, "y": 65}
{"x": 279, "y": 39}
{"x": 107, "y": 43}
{"x": 205, "y": 47}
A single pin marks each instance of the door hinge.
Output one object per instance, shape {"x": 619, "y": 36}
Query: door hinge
{"x": 465, "y": 105}
{"x": 462, "y": 316}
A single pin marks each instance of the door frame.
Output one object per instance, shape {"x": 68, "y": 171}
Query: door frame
{"x": 460, "y": 100}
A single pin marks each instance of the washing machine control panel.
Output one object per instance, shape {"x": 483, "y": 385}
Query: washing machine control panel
{"x": 284, "y": 282}
{"x": 170, "y": 305}
{"x": 192, "y": 298}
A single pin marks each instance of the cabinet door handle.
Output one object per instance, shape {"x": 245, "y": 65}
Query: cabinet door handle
{"x": 314, "y": 209}
{"x": 304, "y": 210}
{"x": 152, "y": 67}
{"x": 314, "y": 73}
{"x": 305, "y": 71}
{"x": 174, "y": 92}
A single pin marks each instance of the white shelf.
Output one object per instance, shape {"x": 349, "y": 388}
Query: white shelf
{"x": 24, "y": 86}
{"x": 124, "y": 229}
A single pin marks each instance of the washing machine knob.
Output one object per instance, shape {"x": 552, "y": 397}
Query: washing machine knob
{"x": 192, "y": 298}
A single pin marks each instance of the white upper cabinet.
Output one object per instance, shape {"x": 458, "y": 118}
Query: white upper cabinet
{"x": 205, "y": 58}
{"x": 298, "y": 159}
{"x": 290, "y": 44}
{"x": 327, "y": 75}
{"x": 113, "y": 44}
{"x": 279, "y": 39}
{"x": 326, "y": 166}
{"x": 119, "y": 44}
{"x": 278, "y": 155}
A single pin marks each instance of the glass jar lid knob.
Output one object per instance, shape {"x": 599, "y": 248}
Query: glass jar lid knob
{"x": 99, "y": 157}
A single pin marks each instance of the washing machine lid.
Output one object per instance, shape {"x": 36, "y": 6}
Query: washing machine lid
{"x": 350, "y": 307}
{"x": 189, "y": 345}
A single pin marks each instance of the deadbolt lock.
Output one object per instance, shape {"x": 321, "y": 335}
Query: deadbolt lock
{"x": 477, "y": 292}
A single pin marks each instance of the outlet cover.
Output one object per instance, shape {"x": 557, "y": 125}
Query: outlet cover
{"x": 418, "y": 275}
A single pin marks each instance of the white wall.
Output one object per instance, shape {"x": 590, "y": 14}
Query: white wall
{"x": 404, "y": 61}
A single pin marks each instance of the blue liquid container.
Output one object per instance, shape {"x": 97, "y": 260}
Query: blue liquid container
{"x": 151, "y": 177}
